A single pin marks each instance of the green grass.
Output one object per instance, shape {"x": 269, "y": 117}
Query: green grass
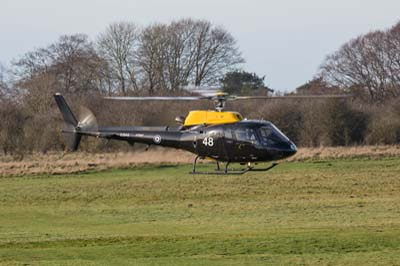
{"x": 334, "y": 212}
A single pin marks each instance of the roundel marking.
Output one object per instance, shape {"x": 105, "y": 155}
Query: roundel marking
{"x": 157, "y": 139}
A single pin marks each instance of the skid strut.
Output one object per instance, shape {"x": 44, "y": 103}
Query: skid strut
{"x": 226, "y": 170}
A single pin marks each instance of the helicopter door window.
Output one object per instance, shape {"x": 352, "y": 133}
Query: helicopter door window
{"x": 247, "y": 135}
{"x": 215, "y": 133}
{"x": 228, "y": 134}
{"x": 265, "y": 132}
{"x": 241, "y": 135}
{"x": 251, "y": 134}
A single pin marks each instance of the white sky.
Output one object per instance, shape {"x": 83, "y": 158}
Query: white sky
{"x": 286, "y": 40}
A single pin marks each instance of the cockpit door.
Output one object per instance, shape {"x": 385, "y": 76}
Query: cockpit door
{"x": 246, "y": 141}
{"x": 229, "y": 144}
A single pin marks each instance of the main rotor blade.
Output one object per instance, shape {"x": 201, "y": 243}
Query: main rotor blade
{"x": 233, "y": 98}
{"x": 157, "y": 98}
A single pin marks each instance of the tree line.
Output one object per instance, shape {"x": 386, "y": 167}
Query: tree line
{"x": 126, "y": 58}
{"x": 160, "y": 59}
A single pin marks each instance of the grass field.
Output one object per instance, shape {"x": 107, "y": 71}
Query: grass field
{"x": 332, "y": 212}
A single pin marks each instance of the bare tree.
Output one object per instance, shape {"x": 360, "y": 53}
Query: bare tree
{"x": 151, "y": 56}
{"x": 370, "y": 62}
{"x": 186, "y": 51}
{"x": 180, "y": 52}
{"x": 392, "y": 42}
{"x": 71, "y": 65}
{"x": 118, "y": 45}
{"x": 216, "y": 53}
{"x": 76, "y": 64}
{"x": 3, "y": 83}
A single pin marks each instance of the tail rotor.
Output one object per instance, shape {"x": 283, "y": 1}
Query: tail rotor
{"x": 86, "y": 119}
{"x": 73, "y": 127}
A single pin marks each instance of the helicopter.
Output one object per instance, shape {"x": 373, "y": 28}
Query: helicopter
{"x": 223, "y": 136}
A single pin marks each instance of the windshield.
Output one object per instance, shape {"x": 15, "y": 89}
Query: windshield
{"x": 279, "y": 132}
{"x": 270, "y": 134}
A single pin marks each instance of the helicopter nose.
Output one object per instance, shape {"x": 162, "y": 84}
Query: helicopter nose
{"x": 292, "y": 150}
{"x": 286, "y": 149}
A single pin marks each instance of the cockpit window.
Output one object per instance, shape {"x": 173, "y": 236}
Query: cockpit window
{"x": 279, "y": 132}
{"x": 271, "y": 135}
{"x": 246, "y": 134}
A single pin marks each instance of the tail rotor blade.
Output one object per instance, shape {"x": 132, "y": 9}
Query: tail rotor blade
{"x": 87, "y": 118}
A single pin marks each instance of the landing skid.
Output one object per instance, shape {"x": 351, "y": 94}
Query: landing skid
{"x": 227, "y": 171}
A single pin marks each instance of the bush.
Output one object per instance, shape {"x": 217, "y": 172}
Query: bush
{"x": 12, "y": 127}
{"x": 342, "y": 124}
{"x": 384, "y": 127}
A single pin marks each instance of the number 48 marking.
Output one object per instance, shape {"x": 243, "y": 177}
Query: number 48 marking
{"x": 208, "y": 141}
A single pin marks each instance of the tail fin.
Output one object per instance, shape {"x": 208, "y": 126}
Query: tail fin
{"x": 72, "y": 135}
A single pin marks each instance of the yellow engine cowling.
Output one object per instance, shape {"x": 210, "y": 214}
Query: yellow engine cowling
{"x": 211, "y": 118}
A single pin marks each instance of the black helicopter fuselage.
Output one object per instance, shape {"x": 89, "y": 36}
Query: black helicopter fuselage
{"x": 245, "y": 141}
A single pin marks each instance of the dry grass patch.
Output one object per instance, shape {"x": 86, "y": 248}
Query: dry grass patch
{"x": 346, "y": 152}
{"x": 60, "y": 163}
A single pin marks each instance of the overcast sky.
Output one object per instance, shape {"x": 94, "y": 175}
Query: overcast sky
{"x": 284, "y": 40}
